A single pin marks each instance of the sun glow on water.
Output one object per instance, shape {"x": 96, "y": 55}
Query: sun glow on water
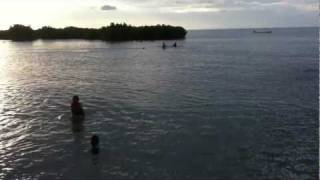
{"x": 4, "y": 54}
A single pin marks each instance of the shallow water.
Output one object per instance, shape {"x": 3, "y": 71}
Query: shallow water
{"x": 224, "y": 103}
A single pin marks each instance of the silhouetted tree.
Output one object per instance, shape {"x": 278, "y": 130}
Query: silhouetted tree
{"x": 113, "y": 32}
{"x": 19, "y": 32}
{"x": 4, "y": 35}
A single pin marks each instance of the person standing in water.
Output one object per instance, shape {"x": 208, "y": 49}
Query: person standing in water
{"x": 164, "y": 46}
{"x": 76, "y": 107}
{"x": 174, "y": 44}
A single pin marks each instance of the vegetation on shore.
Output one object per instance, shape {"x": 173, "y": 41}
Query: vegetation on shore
{"x": 113, "y": 32}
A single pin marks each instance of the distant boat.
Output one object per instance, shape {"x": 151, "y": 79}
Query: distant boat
{"x": 262, "y": 31}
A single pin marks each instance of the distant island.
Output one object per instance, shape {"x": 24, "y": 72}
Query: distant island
{"x": 113, "y": 32}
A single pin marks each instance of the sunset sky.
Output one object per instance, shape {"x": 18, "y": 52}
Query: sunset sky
{"x": 191, "y": 14}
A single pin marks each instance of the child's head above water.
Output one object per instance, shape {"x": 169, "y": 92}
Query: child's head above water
{"x": 95, "y": 144}
{"x": 95, "y": 141}
{"x": 75, "y": 99}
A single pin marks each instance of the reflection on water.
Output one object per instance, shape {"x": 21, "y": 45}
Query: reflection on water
{"x": 77, "y": 127}
{"x": 222, "y": 104}
{"x": 77, "y": 123}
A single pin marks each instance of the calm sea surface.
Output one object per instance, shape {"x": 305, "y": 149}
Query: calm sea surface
{"x": 224, "y": 103}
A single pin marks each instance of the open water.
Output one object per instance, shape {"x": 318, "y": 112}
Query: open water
{"x": 224, "y": 104}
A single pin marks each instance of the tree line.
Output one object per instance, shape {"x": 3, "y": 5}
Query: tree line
{"x": 113, "y": 32}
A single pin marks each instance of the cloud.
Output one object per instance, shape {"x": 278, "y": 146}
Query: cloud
{"x": 219, "y": 5}
{"x": 192, "y": 14}
{"x": 108, "y": 8}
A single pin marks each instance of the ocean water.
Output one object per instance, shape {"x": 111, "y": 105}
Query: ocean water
{"x": 226, "y": 104}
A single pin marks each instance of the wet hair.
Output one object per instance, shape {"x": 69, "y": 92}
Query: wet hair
{"x": 94, "y": 141}
{"x": 75, "y": 98}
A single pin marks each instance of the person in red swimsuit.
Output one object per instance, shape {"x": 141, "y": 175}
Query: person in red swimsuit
{"x": 76, "y": 107}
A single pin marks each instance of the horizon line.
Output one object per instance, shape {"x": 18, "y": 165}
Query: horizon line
{"x": 259, "y": 27}
{"x": 188, "y": 29}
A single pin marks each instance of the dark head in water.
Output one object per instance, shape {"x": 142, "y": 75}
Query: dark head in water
{"x": 174, "y": 44}
{"x": 75, "y": 99}
{"x": 163, "y": 45}
{"x": 76, "y": 107}
{"x": 95, "y": 144}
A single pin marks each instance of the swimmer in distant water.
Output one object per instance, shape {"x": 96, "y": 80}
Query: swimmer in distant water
{"x": 164, "y": 45}
{"x": 174, "y": 44}
{"x": 76, "y": 107}
{"x": 95, "y": 144}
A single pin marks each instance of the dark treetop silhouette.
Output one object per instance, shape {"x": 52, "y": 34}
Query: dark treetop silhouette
{"x": 113, "y": 32}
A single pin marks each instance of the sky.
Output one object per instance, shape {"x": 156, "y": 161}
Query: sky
{"x": 191, "y": 14}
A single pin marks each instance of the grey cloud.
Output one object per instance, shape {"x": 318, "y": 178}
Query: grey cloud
{"x": 108, "y": 8}
{"x": 233, "y": 13}
{"x": 221, "y": 4}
